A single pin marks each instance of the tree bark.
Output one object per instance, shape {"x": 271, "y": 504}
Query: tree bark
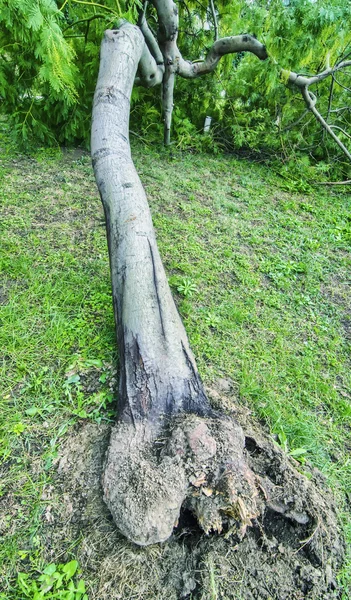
{"x": 158, "y": 374}
{"x": 166, "y": 432}
{"x": 158, "y": 371}
{"x": 168, "y": 449}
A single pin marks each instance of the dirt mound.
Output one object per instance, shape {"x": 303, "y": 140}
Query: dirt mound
{"x": 290, "y": 547}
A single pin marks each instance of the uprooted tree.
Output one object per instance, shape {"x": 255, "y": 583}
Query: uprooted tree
{"x": 169, "y": 449}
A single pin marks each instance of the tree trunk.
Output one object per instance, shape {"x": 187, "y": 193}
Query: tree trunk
{"x": 158, "y": 374}
{"x": 168, "y": 449}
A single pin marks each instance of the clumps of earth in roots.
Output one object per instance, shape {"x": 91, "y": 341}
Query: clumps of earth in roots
{"x": 199, "y": 464}
{"x": 226, "y": 495}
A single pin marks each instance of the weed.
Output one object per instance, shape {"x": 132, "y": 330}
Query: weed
{"x": 55, "y": 582}
{"x": 186, "y": 288}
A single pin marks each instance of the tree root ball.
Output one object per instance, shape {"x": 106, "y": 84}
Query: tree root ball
{"x": 292, "y": 548}
{"x": 228, "y": 480}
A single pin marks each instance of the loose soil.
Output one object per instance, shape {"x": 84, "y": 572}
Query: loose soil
{"x": 290, "y": 548}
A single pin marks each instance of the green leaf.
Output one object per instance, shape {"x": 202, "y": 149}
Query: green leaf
{"x": 50, "y": 569}
{"x": 22, "y": 581}
{"x": 298, "y": 452}
{"x": 70, "y": 568}
{"x": 81, "y": 586}
{"x": 93, "y": 362}
{"x": 72, "y": 379}
{"x": 18, "y": 428}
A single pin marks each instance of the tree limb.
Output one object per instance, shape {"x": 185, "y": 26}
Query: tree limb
{"x": 167, "y": 103}
{"x": 228, "y": 45}
{"x": 87, "y": 20}
{"x": 150, "y": 72}
{"x": 214, "y": 17}
{"x": 311, "y": 100}
{"x": 168, "y": 21}
{"x": 151, "y": 41}
{"x": 342, "y": 109}
{"x": 341, "y": 129}
{"x": 347, "y": 182}
{"x": 341, "y": 84}
{"x": 302, "y": 81}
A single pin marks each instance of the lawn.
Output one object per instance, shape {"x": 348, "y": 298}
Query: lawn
{"x": 261, "y": 275}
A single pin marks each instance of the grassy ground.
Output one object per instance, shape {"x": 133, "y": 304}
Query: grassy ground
{"x": 261, "y": 274}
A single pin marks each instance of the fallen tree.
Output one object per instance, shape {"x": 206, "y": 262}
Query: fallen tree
{"x": 170, "y": 452}
{"x": 158, "y": 379}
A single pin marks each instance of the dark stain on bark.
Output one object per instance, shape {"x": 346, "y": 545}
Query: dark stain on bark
{"x": 198, "y": 401}
{"x": 191, "y": 367}
{"x": 110, "y": 95}
{"x": 101, "y": 153}
{"x": 136, "y": 396}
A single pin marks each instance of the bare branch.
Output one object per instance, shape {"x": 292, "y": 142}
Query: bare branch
{"x": 150, "y": 73}
{"x": 347, "y": 182}
{"x": 151, "y": 41}
{"x": 302, "y": 81}
{"x": 342, "y": 109}
{"x": 341, "y": 129}
{"x": 229, "y": 45}
{"x": 214, "y": 17}
{"x": 330, "y": 98}
{"x": 167, "y": 104}
{"x": 292, "y": 125}
{"x": 168, "y": 20}
{"x": 341, "y": 84}
{"x": 87, "y": 20}
{"x": 311, "y": 101}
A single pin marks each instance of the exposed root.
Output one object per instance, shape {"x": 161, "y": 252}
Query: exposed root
{"x": 292, "y": 550}
{"x": 204, "y": 467}
{"x": 201, "y": 466}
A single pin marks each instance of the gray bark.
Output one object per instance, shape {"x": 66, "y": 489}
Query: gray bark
{"x": 158, "y": 371}
{"x": 158, "y": 375}
{"x": 168, "y": 448}
{"x": 172, "y": 62}
{"x": 166, "y": 433}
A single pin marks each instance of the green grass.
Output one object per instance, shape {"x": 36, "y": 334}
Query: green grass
{"x": 262, "y": 279}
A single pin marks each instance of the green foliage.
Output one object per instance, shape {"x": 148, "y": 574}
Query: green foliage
{"x": 251, "y": 105}
{"x": 184, "y": 286}
{"x": 261, "y": 110}
{"x": 55, "y": 583}
{"x": 49, "y": 63}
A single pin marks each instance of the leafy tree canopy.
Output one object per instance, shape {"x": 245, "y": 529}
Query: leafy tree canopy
{"x": 50, "y": 55}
